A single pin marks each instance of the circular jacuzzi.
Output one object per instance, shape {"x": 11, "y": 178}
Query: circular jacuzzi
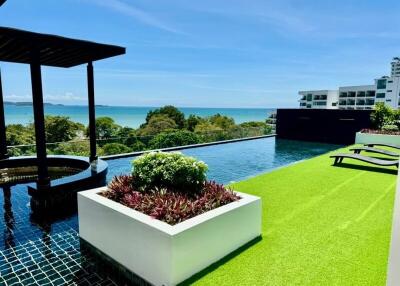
{"x": 68, "y": 175}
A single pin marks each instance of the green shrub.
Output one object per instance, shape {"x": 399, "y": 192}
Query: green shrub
{"x": 137, "y": 146}
{"x": 79, "y": 148}
{"x": 115, "y": 148}
{"x": 222, "y": 121}
{"x": 254, "y": 126}
{"x": 172, "y": 139}
{"x": 192, "y": 121}
{"x": 173, "y": 171}
{"x": 382, "y": 115}
{"x": 390, "y": 128}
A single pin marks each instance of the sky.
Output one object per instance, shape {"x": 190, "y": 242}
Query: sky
{"x": 209, "y": 53}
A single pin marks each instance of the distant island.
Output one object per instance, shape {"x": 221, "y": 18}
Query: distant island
{"x": 29, "y": 103}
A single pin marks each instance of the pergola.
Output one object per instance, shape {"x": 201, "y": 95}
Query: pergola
{"x": 35, "y": 49}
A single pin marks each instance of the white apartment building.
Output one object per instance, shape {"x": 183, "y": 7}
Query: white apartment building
{"x": 385, "y": 89}
{"x": 357, "y": 97}
{"x": 326, "y": 99}
{"x": 395, "y": 67}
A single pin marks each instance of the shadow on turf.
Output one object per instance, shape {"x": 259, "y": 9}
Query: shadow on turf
{"x": 366, "y": 168}
{"x": 220, "y": 262}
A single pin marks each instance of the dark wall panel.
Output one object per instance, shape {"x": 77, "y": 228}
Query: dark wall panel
{"x": 321, "y": 125}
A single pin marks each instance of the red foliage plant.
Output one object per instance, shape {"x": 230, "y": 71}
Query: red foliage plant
{"x": 167, "y": 205}
{"x": 377, "y": 131}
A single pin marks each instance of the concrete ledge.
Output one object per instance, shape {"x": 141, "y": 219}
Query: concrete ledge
{"x": 160, "y": 253}
{"x": 365, "y": 138}
{"x": 131, "y": 154}
{"x": 393, "y": 274}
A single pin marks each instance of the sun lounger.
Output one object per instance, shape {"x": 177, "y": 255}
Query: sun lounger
{"x": 358, "y": 150}
{"x": 385, "y": 163}
{"x": 384, "y": 145}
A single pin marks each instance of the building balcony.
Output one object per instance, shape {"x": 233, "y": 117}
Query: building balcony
{"x": 361, "y": 94}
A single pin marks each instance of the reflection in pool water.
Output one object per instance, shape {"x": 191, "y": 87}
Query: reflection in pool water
{"x": 40, "y": 251}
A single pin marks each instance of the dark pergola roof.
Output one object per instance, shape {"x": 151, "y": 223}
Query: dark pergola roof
{"x": 18, "y": 46}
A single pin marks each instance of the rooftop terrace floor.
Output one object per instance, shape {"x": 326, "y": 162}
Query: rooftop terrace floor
{"x": 322, "y": 225}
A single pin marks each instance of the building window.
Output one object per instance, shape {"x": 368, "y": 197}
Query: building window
{"x": 371, "y": 93}
{"x": 390, "y": 81}
{"x": 381, "y": 84}
{"x": 309, "y": 97}
{"x": 389, "y": 90}
{"x": 388, "y": 100}
{"x": 380, "y": 95}
{"x": 334, "y": 103}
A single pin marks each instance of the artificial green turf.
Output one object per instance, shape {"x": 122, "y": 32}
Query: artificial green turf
{"x": 322, "y": 225}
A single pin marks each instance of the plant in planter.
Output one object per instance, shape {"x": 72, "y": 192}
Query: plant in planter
{"x": 386, "y": 127}
{"x": 169, "y": 187}
{"x": 169, "y": 221}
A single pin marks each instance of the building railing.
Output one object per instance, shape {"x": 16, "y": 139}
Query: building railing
{"x": 81, "y": 147}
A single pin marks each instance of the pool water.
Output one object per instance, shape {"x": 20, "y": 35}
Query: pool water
{"x": 47, "y": 251}
{"x": 237, "y": 161}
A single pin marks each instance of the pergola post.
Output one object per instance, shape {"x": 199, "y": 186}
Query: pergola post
{"x": 92, "y": 112}
{"x": 3, "y": 141}
{"x": 38, "y": 114}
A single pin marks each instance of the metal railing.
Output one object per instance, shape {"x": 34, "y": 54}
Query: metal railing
{"x": 81, "y": 147}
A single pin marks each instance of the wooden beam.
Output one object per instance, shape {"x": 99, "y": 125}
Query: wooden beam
{"x": 92, "y": 112}
{"x": 3, "y": 141}
{"x": 38, "y": 114}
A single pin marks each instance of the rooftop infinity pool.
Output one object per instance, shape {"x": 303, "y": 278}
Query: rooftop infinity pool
{"x": 47, "y": 250}
{"x": 240, "y": 160}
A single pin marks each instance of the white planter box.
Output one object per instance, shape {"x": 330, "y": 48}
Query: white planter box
{"x": 364, "y": 138}
{"x": 158, "y": 252}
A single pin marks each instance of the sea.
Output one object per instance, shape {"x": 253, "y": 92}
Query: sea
{"x": 130, "y": 116}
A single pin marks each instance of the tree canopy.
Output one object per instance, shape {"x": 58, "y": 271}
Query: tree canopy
{"x": 61, "y": 128}
{"x": 170, "y": 111}
{"x": 105, "y": 128}
{"x": 157, "y": 124}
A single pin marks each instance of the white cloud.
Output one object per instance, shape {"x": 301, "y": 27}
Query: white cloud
{"x": 152, "y": 74}
{"x": 280, "y": 15}
{"x": 67, "y": 97}
{"x": 135, "y": 13}
{"x": 14, "y": 97}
